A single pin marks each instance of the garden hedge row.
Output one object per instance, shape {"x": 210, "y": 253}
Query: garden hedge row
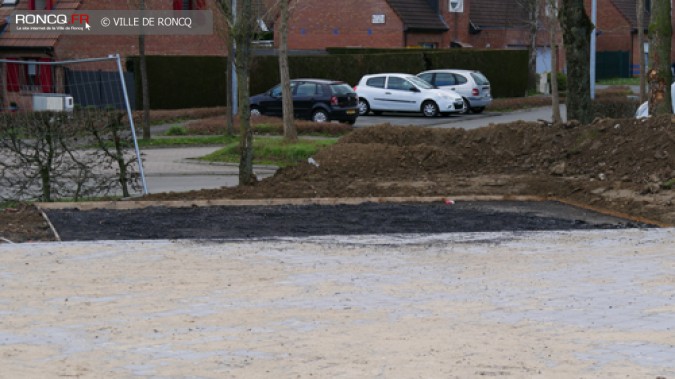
{"x": 190, "y": 82}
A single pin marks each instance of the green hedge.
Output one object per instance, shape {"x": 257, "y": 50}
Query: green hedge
{"x": 506, "y": 69}
{"x": 348, "y": 67}
{"x": 192, "y": 82}
{"x": 177, "y": 82}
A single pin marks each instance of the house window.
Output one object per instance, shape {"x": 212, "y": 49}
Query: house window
{"x": 29, "y": 77}
{"x": 428, "y": 45}
{"x": 188, "y": 5}
{"x": 31, "y": 74}
{"x": 40, "y": 5}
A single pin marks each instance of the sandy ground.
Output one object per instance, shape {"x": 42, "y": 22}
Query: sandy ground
{"x": 591, "y": 304}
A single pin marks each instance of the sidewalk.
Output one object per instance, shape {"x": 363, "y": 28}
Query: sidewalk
{"x": 176, "y": 170}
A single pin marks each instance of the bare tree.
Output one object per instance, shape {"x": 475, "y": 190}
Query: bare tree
{"x": 576, "y": 28}
{"x": 641, "y": 45}
{"x": 241, "y": 26}
{"x": 223, "y": 32}
{"x": 290, "y": 133}
{"x": 144, "y": 80}
{"x": 533, "y": 10}
{"x": 49, "y": 155}
{"x": 660, "y": 76}
{"x": 553, "y": 29}
{"x": 145, "y": 92}
{"x": 229, "y": 113}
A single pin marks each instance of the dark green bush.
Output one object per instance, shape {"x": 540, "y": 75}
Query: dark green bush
{"x": 615, "y": 107}
{"x": 176, "y": 130}
{"x": 562, "y": 81}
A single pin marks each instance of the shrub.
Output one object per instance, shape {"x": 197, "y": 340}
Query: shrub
{"x": 177, "y": 130}
{"x": 562, "y": 81}
{"x": 615, "y": 107}
{"x": 267, "y": 125}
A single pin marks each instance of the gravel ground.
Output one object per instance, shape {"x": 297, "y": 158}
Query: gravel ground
{"x": 582, "y": 304}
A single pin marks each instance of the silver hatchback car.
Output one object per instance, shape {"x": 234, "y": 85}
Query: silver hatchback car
{"x": 473, "y": 86}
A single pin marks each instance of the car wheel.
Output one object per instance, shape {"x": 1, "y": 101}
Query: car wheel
{"x": 430, "y": 109}
{"x": 467, "y": 107}
{"x": 320, "y": 115}
{"x": 255, "y": 112}
{"x": 364, "y": 107}
{"x": 477, "y": 109}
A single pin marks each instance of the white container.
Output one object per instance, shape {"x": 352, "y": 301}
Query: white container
{"x": 56, "y": 102}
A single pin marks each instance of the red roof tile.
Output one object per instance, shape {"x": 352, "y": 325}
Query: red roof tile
{"x": 628, "y": 8}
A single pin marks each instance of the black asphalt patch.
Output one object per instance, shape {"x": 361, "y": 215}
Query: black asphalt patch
{"x": 237, "y": 222}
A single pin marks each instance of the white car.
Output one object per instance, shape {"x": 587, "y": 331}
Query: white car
{"x": 643, "y": 109}
{"x": 405, "y": 93}
{"x": 473, "y": 86}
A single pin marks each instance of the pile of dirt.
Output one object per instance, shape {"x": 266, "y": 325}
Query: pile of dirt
{"x": 626, "y": 166}
{"x": 23, "y": 223}
{"x": 623, "y": 165}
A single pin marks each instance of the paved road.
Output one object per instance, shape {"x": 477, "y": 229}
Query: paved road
{"x": 468, "y": 121}
{"x": 176, "y": 170}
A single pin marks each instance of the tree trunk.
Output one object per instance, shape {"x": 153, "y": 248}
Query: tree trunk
{"x": 533, "y": 14}
{"x": 659, "y": 76}
{"x": 144, "y": 82}
{"x": 553, "y": 39}
{"x": 576, "y": 28}
{"x": 243, "y": 37}
{"x": 229, "y": 112}
{"x": 641, "y": 43}
{"x": 290, "y": 133}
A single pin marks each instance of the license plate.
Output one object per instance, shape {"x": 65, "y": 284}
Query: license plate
{"x": 351, "y": 111}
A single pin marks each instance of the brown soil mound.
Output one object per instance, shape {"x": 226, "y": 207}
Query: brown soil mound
{"x": 626, "y": 166}
{"x": 621, "y": 165}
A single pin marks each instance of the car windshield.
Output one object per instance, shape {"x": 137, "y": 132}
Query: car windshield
{"x": 420, "y": 83}
{"x": 340, "y": 89}
{"x": 480, "y": 79}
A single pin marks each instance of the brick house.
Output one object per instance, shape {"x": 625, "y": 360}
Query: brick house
{"x": 23, "y": 80}
{"x": 617, "y": 33}
{"x": 316, "y": 25}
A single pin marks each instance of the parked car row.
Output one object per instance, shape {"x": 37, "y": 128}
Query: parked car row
{"x": 433, "y": 93}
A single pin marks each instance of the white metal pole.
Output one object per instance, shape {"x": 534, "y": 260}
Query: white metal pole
{"x": 594, "y": 20}
{"x": 131, "y": 124}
